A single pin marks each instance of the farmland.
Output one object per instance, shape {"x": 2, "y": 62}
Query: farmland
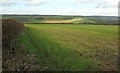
{"x": 59, "y": 43}
{"x": 72, "y": 47}
{"x": 108, "y": 20}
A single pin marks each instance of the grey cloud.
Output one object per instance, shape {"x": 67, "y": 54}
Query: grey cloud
{"x": 26, "y": 2}
{"x": 99, "y": 5}
{"x": 35, "y": 2}
{"x": 106, "y": 5}
{"x": 119, "y": 4}
{"x": 110, "y": 6}
{"x": 7, "y": 3}
{"x": 87, "y": 1}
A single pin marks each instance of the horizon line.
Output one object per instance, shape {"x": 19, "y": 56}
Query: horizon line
{"x": 57, "y": 15}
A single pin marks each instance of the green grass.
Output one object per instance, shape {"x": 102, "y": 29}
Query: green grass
{"x": 73, "y": 47}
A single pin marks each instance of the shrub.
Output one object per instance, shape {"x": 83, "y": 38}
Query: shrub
{"x": 10, "y": 29}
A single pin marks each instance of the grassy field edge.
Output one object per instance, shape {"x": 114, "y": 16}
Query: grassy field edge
{"x": 54, "y": 56}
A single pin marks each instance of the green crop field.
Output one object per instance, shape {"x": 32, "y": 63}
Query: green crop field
{"x": 69, "y": 47}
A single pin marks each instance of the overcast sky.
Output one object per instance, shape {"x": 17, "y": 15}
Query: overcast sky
{"x": 60, "y": 7}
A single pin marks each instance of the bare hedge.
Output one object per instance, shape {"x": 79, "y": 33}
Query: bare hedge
{"x": 10, "y": 29}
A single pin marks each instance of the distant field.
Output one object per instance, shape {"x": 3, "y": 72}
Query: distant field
{"x": 108, "y": 20}
{"x": 72, "y": 47}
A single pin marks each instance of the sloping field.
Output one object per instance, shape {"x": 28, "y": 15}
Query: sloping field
{"x": 73, "y": 47}
{"x": 77, "y": 20}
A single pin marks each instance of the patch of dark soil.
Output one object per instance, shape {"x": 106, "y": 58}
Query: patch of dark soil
{"x": 16, "y": 59}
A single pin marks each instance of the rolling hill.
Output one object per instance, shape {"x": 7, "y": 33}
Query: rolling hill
{"x": 64, "y": 19}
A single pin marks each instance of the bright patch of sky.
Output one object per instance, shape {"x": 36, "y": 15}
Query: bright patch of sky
{"x": 60, "y": 7}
